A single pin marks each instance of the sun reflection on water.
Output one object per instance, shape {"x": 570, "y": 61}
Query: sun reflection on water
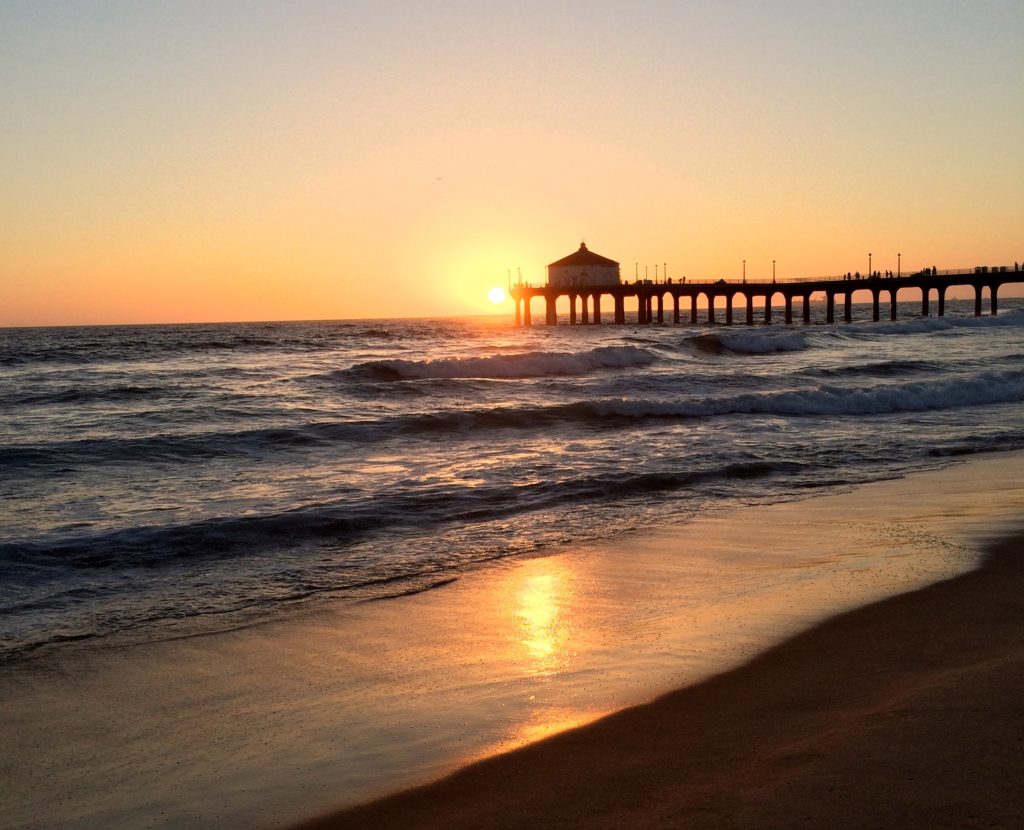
{"x": 542, "y": 608}
{"x": 542, "y": 611}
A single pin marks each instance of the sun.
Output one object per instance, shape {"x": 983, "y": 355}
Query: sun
{"x": 496, "y": 295}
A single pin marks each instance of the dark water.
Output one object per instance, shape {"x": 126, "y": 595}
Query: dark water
{"x": 161, "y": 478}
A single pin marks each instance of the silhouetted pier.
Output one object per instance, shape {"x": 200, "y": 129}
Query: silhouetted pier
{"x": 680, "y": 299}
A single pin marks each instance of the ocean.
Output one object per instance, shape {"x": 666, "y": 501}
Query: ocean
{"x": 250, "y": 572}
{"x": 165, "y": 480}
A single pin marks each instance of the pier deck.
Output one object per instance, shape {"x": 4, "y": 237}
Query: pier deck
{"x": 655, "y": 300}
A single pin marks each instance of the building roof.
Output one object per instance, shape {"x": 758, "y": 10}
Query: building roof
{"x": 583, "y": 257}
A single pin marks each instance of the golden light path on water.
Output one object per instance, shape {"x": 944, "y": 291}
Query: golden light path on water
{"x": 547, "y": 628}
{"x": 543, "y": 628}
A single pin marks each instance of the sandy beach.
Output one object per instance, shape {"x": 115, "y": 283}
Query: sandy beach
{"x": 903, "y": 713}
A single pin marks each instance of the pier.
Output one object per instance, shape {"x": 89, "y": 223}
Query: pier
{"x": 657, "y": 302}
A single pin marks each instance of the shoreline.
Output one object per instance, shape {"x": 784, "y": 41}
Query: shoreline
{"x": 901, "y": 713}
{"x": 339, "y": 704}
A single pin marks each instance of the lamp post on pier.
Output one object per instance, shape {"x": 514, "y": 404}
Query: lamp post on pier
{"x": 870, "y": 272}
{"x": 744, "y": 271}
{"x": 898, "y": 268}
{"x": 773, "y": 271}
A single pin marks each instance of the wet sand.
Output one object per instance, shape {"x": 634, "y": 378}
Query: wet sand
{"x": 905, "y": 713}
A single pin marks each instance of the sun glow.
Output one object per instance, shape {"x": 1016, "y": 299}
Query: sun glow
{"x": 496, "y": 295}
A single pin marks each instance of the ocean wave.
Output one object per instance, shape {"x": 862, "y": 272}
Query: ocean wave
{"x": 523, "y": 365}
{"x": 918, "y": 396}
{"x": 1014, "y": 318}
{"x": 1003, "y": 443}
{"x": 820, "y": 400}
{"x": 107, "y": 345}
{"x": 418, "y": 588}
{"x": 345, "y": 522}
{"x": 175, "y": 448}
{"x": 111, "y": 394}
{"x": 750, "y": 341}
{"x": 90, "y": 352}
{"x": 879, "y": 369}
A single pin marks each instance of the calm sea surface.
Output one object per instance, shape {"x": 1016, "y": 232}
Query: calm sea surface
{"x": 160, "y": 479}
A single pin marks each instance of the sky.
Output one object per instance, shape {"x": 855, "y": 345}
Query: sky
{"x": 198, "y": 161}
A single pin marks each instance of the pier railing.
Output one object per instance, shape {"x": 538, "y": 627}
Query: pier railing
{"x": 882, "y": 275}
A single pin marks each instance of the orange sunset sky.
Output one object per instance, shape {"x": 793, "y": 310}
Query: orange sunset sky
{"x": 195, "y": 161}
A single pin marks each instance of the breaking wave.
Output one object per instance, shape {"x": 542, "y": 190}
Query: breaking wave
{"x": 1014, "y": 318}
{"x": 749, "y": 342}
{"x": 919, "y": 396}
{"x": 341, "y": 523}
{"x": 822, "y": 400}
{"x": 524, "y": 365}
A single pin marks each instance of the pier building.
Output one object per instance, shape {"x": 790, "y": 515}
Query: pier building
{"x": 583, "y": 268}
